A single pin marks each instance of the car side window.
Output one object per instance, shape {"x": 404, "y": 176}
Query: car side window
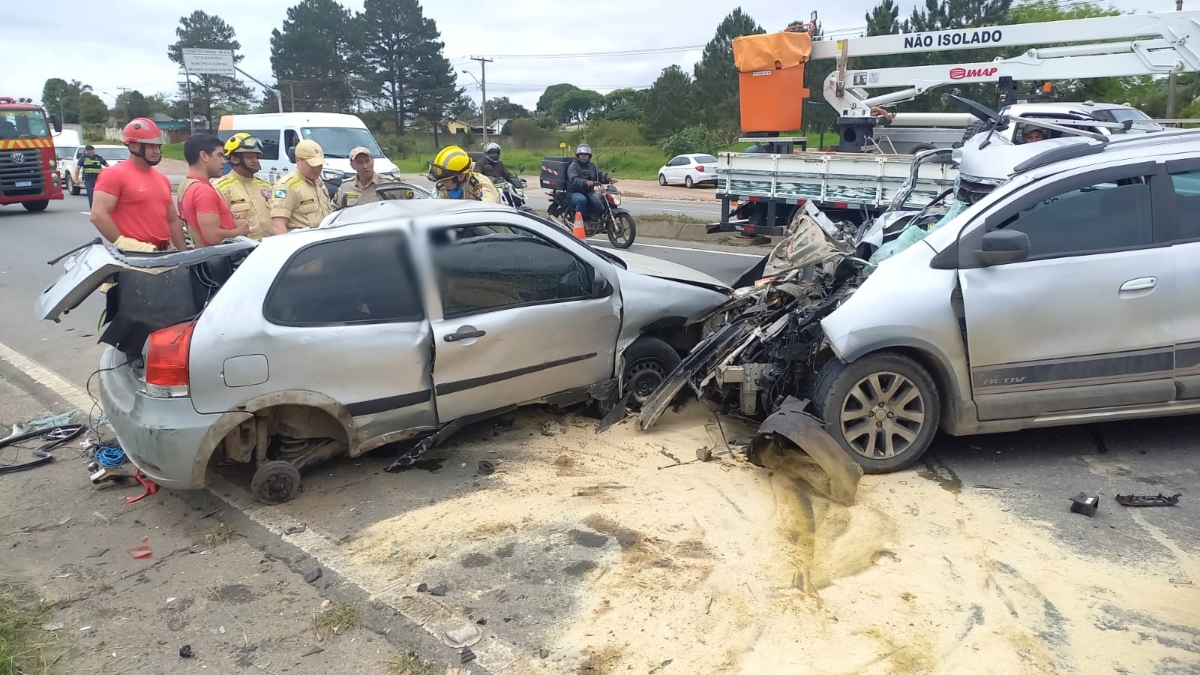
{"x": 1187, "y": 197}
{"x": 485, "y": 268}
{"x": 356, "y": 280}
{"x": 1100, "y": 217}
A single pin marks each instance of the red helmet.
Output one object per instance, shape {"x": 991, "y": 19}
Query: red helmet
{"x": 141, "y": 130}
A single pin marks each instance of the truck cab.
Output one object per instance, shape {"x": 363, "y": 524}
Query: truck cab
{"x": 28, "y": 166}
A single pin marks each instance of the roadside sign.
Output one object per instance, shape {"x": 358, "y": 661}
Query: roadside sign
{"x": 562, "y": 144}
{"x": 208, "y": 61}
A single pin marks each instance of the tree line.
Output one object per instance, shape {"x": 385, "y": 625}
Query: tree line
{"x": 387, "y": 63}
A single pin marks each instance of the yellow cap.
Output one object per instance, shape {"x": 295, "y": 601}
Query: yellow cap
{"x": 310, "y": 151}
{"x": 360, "y": 150}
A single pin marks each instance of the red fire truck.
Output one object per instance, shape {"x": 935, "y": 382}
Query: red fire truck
{"x": 27, "y": 162}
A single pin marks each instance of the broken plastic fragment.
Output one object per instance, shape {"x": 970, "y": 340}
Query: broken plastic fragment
{"x": 466, "y": 636}
{"x": 139, "y": 552}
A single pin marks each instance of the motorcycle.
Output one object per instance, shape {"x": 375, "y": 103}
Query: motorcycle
{"x": 512, "y": 194}
{"x": 613, "y": 220}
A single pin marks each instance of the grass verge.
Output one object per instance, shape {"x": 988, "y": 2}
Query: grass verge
{"x": 670, "y": 218}
{"x": 173, "y": 151}
{"x": 409, "y": 663}
{"x": 221, "y": 534}
{"x": 335, "y": 620}
{"x": 23, "y": 643}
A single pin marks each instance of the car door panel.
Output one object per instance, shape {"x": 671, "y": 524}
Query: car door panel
{"x": 513, "y": 319}
{"x": 1074, "y": 331}
{"x": 522, "y": 355}
{"x": 1184, "y": 215}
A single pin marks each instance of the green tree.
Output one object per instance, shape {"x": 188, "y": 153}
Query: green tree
{"x": 669, "y": 104}
{"x": 402, "y": 51}
{"x": 131, "y": 104}
{"x": 310, "y": 56}
{"x": 209, "y": 92}
{"x": 62, "y": 97}
{"x": 716, "y": 77}
{"x": 501, "y": 108}
{"x": 527, "y": 134}
{"x": 91, "y": 108}
{"x": 546, "y": 102}
{"x": 624, "y": 105}
{"x": 576, "y": 105}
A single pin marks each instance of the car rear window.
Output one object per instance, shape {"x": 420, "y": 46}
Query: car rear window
{"x": 706, "y": 159}
{"x": 356, "y": 280}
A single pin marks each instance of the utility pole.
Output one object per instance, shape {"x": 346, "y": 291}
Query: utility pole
{"x": 125, "y": 108}
{"x": 483, "y": 90}
{"x": 1172, "y": 78}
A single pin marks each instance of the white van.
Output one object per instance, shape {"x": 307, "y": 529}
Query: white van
{"x": 336, "y": 133}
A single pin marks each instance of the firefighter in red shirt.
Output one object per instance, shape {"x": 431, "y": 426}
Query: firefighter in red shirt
{"x": 133, "y": 206}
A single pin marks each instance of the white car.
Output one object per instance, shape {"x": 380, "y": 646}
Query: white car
{"x": 113, "y": 154}
{"x": 689, "y": 170}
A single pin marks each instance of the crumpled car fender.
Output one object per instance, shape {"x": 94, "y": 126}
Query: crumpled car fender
{"x": 808, "y": 434}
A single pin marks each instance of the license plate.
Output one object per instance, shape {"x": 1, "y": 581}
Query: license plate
{"x": 24, "y": 183}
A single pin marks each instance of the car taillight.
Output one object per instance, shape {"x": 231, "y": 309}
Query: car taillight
{"x": 167, "y": 360}
{"x": 700, "y": 168}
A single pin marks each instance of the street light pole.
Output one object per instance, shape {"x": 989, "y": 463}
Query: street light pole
{"x": 483, "y": 90}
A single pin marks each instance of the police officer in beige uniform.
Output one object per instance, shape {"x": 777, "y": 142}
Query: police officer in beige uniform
{"x": 361, "y": 189}
{"x": 300, "y": 199}
{"x": 248, "y": 196}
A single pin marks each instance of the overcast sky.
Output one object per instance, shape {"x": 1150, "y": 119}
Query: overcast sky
{"x": 126, "y": 46}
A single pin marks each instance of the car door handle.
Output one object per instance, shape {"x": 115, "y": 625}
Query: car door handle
{"x": 1142, "y": 284}
{"x": 464, "y": 335}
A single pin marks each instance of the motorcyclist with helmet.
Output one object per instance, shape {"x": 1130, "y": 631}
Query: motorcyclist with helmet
{"x": 453, "y": 171}
{"x": 493, "y": 168}
{"x": 582, "y": 178}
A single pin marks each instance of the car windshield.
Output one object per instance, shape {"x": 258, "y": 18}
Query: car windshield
{"x": 62, "y": 152}
{"x": 16, "y": 124}
{"x": 706, "y": 159}
{"x": 113, "y": 154}
{"x": 337, "y": 142}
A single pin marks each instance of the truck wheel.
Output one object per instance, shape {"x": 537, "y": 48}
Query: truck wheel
{"x": 34, "y": 207}
{"x": 882, "y": 409}
{"x": 648, "y": 361}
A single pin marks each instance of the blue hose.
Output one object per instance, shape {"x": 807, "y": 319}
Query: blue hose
{"x": 110, "y": 455}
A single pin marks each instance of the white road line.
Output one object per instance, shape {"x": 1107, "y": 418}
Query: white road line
{"x": 86, "y": 213}
{"x": 691, "y": 250}
{"x": 493, "y": 654}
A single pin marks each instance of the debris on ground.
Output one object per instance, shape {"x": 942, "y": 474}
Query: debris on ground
{"x": 466, "y": 636}
{"x": 1158, "y": 500}
{"x": 1082, "y": 503}
{"x": 185, "y": 652}
{"x": 139, "y": 552}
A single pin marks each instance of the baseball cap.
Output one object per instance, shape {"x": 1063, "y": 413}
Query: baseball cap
{"x": 360, "y": 150}
{"x": 310, "y": 151}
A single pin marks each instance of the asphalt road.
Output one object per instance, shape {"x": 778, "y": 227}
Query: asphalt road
{"x": 1034, "y": 472}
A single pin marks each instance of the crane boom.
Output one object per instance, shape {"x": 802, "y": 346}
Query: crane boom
{"x": 1131, "y": 44}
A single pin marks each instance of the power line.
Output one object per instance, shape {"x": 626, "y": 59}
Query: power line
{"x": 583, "y": 55}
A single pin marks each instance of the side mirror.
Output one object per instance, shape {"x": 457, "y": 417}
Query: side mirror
{"x": 521, "y": 169}
{"x": 524, "y": 183}
{"x": 613, "y": 170}
{"x": 56, "y": 122}
{"x": 291, "y": 153}
{"x": 1001, "y": 247}
{"x": 599, "y": 284}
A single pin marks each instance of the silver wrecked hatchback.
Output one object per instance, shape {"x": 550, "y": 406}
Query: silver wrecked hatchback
{"x": 394, "y": 321}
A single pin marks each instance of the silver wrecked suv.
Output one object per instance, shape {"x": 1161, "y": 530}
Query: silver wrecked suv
{"x": 393, "y": 321}
{"x": 1063, "y": 296}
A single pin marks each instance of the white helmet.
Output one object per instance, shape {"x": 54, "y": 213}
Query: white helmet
{"x": 490, "y": 147}
{"x": 583, "y": 149}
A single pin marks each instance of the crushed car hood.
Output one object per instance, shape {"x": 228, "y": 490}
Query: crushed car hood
{"x": 653, "y": 267}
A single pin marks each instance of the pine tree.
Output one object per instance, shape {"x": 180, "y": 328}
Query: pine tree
{"x": 716, "y": 76}
{"x": 310, "y": 57}
{"x": 209, "y": 92}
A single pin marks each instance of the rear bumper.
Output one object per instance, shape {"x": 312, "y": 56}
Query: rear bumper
{"x": 161, "y": 437}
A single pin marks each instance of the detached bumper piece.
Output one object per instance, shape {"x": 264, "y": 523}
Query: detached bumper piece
{"x": 1082, "y": 503}
{"x": 1157, "y": 500}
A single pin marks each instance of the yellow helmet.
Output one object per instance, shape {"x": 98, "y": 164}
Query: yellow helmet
{"x": 242, "y": 142}
{"x": 452, "y": 160}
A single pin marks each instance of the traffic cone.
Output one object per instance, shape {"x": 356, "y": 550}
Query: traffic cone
{"x": 578, "y": 230}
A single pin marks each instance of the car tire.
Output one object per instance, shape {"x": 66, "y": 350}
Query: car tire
{"x": 881, "y": 387}
{"x": 275, "y": 482}
{"x": 687, "y": 182}
{"x": 662, "y": 179}
{"x": 34, "y": 207}
{"x": 647, "y": 361}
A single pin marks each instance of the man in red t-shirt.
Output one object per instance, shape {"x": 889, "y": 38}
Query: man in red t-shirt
{"x": 205, "y": 212}
{"x": 132, "y": 206}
